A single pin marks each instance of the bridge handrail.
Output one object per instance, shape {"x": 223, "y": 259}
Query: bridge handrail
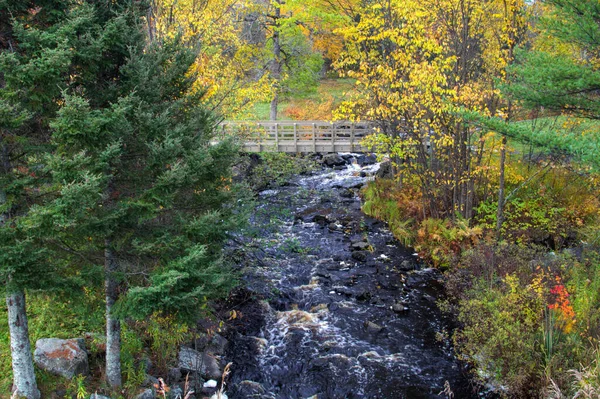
{"x": 298, "y": 136}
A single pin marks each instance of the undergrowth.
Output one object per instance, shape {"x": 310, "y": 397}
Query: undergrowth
{"x": 528, "y": 306}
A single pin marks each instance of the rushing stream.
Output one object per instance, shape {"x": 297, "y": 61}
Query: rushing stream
{"x": 335, "y": 307}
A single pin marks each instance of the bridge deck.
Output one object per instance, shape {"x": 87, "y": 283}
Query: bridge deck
{"x": 300, "y": 136}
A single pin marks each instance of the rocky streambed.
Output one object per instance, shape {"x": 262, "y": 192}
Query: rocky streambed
{"x": 332, "y": 306}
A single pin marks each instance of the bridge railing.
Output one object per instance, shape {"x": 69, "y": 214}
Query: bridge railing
{"x": 300, "y": 136}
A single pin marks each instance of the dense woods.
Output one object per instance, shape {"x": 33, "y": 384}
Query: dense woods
{"x": 118, "y": 195}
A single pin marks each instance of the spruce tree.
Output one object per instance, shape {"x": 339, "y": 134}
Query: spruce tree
{"x": 145, "y": 185}
{"x": 109, "y": 157}
{"x": 563, "y": 75}
{"x": 34, "y": 61}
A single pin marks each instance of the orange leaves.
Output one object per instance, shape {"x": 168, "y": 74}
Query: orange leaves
{"x": 562, "y": 305}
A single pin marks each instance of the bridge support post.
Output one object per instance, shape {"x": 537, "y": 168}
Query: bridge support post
{"x": 296, "y": 137}
{"x": 314, "y": 137}
{"x": 277, "y": 137}
{"x": 332, "y": 137}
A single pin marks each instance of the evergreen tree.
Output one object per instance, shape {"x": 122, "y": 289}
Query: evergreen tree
{"x": 108, "y": 157}
{"x": 145, "y": 187}
{"x": 34, "y": 62}
{"x": 563, "y": 75}
{"x": 559, "y": 75}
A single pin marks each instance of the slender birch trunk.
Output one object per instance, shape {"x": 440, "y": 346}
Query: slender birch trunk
{"x": 113, "y": 325}
{"x": 24, "y": 384}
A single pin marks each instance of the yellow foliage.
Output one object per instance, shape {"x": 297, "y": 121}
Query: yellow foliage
{"x": 225, "y": 58}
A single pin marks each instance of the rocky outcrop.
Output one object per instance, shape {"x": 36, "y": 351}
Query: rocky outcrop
{"x": 366, "y": 159}
{"x": 385, "y": 171}
{"x": 65, "y": 357}
{"x": 332, "y": 160}
{"x": 208, "y": 366}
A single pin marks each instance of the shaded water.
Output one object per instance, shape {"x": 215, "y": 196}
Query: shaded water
{"x": 336, "y": 307}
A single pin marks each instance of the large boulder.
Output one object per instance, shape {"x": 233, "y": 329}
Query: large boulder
{"x": 208, "y": 366}
{"x": 332, "y": 160}
{"x": 366, "y": 159}
{"x": 385, "y": 170}
{"x": 65, "y": 357}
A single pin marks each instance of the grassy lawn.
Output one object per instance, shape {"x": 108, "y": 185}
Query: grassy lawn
{"x": 317, "y": 105}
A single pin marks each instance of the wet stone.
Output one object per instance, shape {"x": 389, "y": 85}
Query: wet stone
{"x": 360, "y": 256}
{"x": 373, "y": 328}
{"x": 333, "y": 160}
{"x": 360, "y": 246}
{"x": 363, "y": 295}
{"x": 249, "y": 389}
{"x": 407, "y": 265}
{"x": 347, "y": 193}
{"x": 399, "y": 308}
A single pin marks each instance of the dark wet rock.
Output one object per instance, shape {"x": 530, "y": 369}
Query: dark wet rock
{"x": 415, "y": 280}
{"x": 338, "y": 168}
{"x": 332, "y": 160}
{"x": 399, "y": 308}
{"x": 353, "y": 182}
{"x": 347, "y": 291}
{"x": 364, "y": 160}
{"x": 334, "y": 306}
{"x": 347, "y": 193}
{"x": 245, "y": 167}
{"x": 249, "y": 389}
{"x": 149, "y": 381}
{"x": 174, "y": 374}
{"x": 373, "y": 328}
{"x": 347, "y": 157}
{"x": 428, "y": 298}
{"x": 407, "y": 265}
{"x": 313, "y": 215}
{"x": 385, "y": 170}
{"x": 321, "y": 220}
{"x": 360, "y": 246}
{"x": 360, "y": 256}
{"x": 64, "y": 357}
{"x": 322, "y": 274}
{"x": 363, "y": 295}
{"x": 333, "y": 226}
{"x": 217, "y": 345}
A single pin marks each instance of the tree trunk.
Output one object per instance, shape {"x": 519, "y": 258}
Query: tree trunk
{"x": 500, "y": 213}
{"x": 276, "y": 65}
{"x": 113, "y": 325}
{"x": 24, "y": 383}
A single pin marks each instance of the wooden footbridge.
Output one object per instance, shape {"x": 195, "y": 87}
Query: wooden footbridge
{"x": 300, "y": 136}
